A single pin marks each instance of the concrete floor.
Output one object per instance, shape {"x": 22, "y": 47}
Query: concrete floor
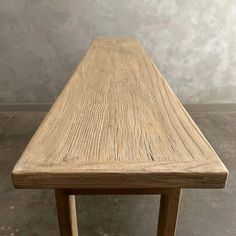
{"x": 32, "y": 212}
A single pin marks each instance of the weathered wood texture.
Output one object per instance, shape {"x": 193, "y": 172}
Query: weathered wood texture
{"x": 66, "y": 212}
{"x": 168, "y": 212}
{"x": 118, "y": 124}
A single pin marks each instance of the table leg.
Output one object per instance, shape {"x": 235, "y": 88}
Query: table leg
{"x": 168, "y": 212}
{"x": 66, "y": 212}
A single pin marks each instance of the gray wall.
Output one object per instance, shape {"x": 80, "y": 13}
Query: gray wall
{"x": 193, "y": 42}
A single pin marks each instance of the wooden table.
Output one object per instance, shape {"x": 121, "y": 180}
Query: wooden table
{"x": 118, "y": 128}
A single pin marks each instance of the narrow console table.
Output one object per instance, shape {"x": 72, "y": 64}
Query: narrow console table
{"x": 118, "y": 128}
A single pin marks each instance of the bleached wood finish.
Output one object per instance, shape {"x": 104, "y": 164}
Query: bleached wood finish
{"x": 117, "y": 124}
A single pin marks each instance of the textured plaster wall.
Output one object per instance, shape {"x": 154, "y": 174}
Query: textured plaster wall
{"x": 193, "y": 42}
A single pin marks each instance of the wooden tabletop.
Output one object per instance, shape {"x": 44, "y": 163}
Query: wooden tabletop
{"x": 117, "y": 124}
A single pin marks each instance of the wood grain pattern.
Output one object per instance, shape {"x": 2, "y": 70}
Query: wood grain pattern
{"x": 117, "y": 123}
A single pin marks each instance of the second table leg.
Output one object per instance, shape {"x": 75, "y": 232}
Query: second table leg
{"x": 66, "y": 212}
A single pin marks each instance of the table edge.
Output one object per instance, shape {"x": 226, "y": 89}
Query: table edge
{"x": 35, "y": 180}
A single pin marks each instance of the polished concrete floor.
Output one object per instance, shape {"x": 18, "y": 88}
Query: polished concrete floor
{"x": 203, "y": 212}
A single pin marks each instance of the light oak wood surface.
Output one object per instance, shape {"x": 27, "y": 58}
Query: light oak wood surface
{"x": 117, "y": 124}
